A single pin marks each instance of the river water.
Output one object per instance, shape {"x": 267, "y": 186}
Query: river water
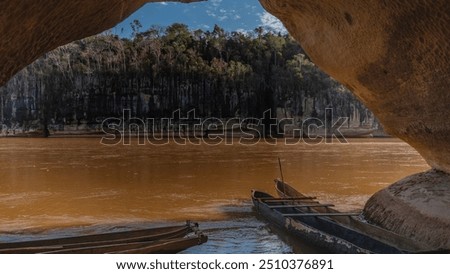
{"x": 71, "y": 186}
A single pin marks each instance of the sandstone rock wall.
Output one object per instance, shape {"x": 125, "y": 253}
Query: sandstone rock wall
{"x": 392, "y": 54}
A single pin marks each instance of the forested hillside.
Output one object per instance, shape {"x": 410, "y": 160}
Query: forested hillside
{"x": 159, "y": 70}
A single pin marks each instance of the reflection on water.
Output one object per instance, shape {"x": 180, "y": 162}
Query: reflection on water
{"x": 81, "y": 185}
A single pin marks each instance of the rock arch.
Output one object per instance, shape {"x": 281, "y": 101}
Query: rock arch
{"x": 392, "y": 54}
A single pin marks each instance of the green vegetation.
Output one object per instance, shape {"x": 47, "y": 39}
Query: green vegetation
{"x": 218, "y": 74}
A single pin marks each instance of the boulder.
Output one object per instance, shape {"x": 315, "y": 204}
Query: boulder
{"x": 417, "y": 207}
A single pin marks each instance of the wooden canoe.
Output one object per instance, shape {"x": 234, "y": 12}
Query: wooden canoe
{"x": 317, "y": 228}
{"x": 112, "y": 238}
{"x": 166, "y": 246}
{"x": 392, "y": 242}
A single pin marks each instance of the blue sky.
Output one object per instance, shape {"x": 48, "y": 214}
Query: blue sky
{"x": 232, "y": 15}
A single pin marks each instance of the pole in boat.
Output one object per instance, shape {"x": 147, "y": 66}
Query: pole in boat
{"x": 281, "y": 170}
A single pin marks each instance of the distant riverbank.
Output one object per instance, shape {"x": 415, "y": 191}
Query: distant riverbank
{"x": 96, "y": 131}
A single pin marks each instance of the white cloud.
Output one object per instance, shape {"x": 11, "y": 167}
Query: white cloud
{"x": 216, "y": 2}
{"x": 204, "y": 26}
{"x": 222, "y": 18}
{"x": 271, "y": 23}
{"x": 244, "y": 31}
{"x": 217, "y": 10}
{"x": 211, "y": 13}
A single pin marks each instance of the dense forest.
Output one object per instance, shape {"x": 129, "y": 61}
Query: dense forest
{"x": 159, "y": 70}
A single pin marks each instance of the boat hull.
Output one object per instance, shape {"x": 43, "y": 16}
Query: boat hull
{"x": 322, "y": 232}
{"x": 306, "y": 232}
{"x": 167, "y": 246}
{"x": 387, "y": 238}
{"x": 154, "y": 240}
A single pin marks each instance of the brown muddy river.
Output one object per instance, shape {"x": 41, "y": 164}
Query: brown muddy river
{"x": 55, "y": 186}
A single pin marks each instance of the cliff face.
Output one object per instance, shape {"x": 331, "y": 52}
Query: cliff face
{"x": 392, "y": 54}
{"x": 100, "y": 76}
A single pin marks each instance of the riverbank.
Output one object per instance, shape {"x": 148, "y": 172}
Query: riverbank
{"x": 347, "y": 133}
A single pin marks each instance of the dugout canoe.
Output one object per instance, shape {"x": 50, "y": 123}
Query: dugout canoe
{"x": 112, "y": 238}
{"x": 166, "y": 246}
{"x": 357, "y": 223}
{"x": 300, "y": 217}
